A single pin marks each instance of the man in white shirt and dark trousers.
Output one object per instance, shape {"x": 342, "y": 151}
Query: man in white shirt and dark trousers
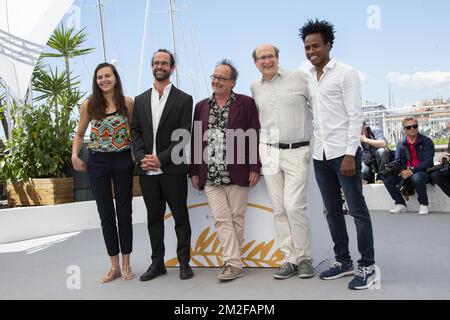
{"x": 158, "y": 112}
{"x": 335, "y": 97}
{"x": 281, "y": 99}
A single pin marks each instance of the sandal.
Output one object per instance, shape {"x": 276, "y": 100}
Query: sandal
{"x": 127, "y": 274}
{"x": 112, "y": 274}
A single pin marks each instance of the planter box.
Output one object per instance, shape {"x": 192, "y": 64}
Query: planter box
{"x": 40, "y": 192}
{"x": 137, "y": 192}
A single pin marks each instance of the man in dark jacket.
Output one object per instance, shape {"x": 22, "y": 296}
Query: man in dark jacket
{"x": 158, "y": 112}
{"x": 441, "y": 176}
{"x": 414, "y": 155}
{"x": 224, "y": 153}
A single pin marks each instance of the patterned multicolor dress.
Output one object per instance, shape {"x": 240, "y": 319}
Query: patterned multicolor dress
{"x": 110, "y": 134}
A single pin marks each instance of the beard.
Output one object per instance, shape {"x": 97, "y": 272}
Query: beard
{"x": 161, "y": 77}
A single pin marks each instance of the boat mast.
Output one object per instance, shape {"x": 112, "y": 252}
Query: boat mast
{"x": 172, "y": 18}
{"x": 172, "y": 11}
{"x": 102, "y": 31}
{"x": 147, "y": 7}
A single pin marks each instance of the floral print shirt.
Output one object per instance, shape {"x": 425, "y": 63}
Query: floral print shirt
{"x": 217, "y": 173}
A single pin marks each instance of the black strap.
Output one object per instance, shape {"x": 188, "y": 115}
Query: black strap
{"x": 408, "y": 155}
{"x": 370, "y": 134}
{"x": 289, "y": 145}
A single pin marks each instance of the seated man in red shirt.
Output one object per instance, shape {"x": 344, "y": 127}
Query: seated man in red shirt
{"x": 414, "y": 166}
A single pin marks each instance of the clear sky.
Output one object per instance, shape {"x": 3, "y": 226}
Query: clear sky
{"x": 403, "y": 41}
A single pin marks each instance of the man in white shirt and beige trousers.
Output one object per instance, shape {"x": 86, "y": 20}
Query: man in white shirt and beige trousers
{"x": 281, "y": 99}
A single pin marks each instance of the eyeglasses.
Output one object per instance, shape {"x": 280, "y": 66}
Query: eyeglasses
{"x": 218, "y": 78}
{"x": 414, "y": 126}
{"x": 270, "y": 57}
{"x": 161, "y": 63}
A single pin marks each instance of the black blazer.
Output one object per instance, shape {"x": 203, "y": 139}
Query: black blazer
{"x": 177, "y": 114}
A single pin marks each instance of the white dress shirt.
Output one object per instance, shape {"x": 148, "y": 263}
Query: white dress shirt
{"x": 283, "y": 108}
{"x": 158, "y": 105}
{"x": 337, "y": 115}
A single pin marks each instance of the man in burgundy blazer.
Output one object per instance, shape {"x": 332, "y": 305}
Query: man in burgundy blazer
{"x": 225, "y": 161}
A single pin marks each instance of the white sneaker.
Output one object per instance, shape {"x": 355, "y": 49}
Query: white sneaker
{"x": 398, "y": 208}
{"x": 423, "y": 209}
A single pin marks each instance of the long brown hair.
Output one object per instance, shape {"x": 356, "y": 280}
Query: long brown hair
{"x": 97, "y": 103}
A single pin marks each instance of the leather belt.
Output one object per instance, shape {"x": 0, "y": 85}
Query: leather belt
{"x": 289, "y": 145}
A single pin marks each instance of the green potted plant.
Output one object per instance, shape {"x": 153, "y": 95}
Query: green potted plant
{"x": 39, "y": 148}
{"x": 38, "y": 152}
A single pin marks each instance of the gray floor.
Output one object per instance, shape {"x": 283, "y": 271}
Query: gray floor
{"x": 412, "y": 251}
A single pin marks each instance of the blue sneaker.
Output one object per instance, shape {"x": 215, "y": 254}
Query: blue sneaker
{"x": 364, "y": 278}
{"x": 338, "y": 270}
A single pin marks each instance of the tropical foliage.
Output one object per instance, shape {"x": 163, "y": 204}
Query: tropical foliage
{"x": 441, "y": 141}
{"x": 40, "y": 142}
{"x": 67, "y": 44}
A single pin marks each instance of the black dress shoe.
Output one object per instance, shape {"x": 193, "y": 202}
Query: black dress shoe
{"x": 186, "y": 272}
{"x": 152, "y": 272}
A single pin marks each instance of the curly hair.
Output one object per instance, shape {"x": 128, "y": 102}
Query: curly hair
{"x": 229, "y": 63}
{"x": 97, "y": 103}
{"x": 323, "y": 27}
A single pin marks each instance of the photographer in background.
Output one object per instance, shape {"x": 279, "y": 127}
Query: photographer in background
{"x": 441, "y": 175}
{"x": 375, "y": 154}
{"x": 421, "y": 151}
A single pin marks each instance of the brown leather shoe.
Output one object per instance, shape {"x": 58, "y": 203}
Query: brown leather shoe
{"x": 230, "y": 273}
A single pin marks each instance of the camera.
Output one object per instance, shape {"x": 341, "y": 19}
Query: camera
{"x": 393, "y": 168}
{"x": 405, "y": 186}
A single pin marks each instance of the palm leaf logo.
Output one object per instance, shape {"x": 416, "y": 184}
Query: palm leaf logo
{"x": 209, "y": 250}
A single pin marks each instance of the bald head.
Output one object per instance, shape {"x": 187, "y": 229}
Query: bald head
{"x": 265, "y": 58}
{"x": 264, "y": 47}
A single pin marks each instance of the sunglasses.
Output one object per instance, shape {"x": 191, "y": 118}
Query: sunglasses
{"x": 414, "y": 126}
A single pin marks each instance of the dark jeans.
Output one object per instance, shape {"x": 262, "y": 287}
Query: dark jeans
{"x": 443, "y": 181}
{"x": 331, "y": 181}
{"x": 157, "y": 190}
{"x": 104, "y": 167}
{"x": 419, "y": 180}
{"x": 381, "y": 158}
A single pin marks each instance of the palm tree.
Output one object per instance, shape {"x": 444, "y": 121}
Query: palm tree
{"x": 68, "y": 44}
{"x": 51, "y": 85}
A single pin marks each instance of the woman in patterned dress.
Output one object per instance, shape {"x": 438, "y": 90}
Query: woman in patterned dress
{"x": 109, "y": 112}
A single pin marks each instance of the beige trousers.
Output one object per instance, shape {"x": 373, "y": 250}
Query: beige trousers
{"x": 286, "y": 175}
{"x": 228, "y": 204}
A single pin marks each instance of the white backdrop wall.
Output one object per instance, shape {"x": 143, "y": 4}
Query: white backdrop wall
{"x": 261, "y": 250}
